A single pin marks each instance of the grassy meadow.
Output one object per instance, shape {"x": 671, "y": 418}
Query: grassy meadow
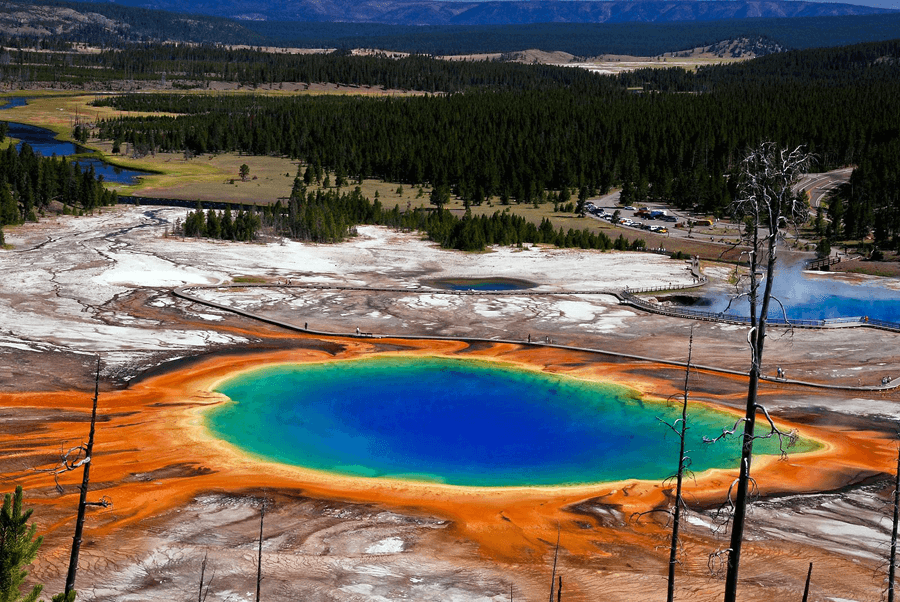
{"x": 215, "y": 177}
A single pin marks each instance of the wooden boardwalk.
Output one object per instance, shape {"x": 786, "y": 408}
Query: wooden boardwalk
{"x": 183, "y": 293}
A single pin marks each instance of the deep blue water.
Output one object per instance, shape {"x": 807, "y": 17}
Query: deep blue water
{"x": 461, "y": 422}
{"x": 820, "y": 297}
{"x": 10, "y": 102}
{"x": 41, "y": 140}
{"x": 44, "y": 141}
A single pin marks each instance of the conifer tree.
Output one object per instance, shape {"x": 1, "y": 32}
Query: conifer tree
{"x": 18, "y": 548}
{"x": 9, "y": 209}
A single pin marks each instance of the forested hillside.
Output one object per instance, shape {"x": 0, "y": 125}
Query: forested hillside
{"x": 47, "y": 23}
{"x": 194, "y": 66}
{"x": 528, "y": 133}
{"x": 583, "y": 39}
{"x": 582, "y": 134}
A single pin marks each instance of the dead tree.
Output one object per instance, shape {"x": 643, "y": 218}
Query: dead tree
{"x": 766, "y": 203}
{"x": 680, "y": 427}
{"x": 892, "y": 565}
{"x": 80, "y": 456}
{"x": 806, "y": 587}
{"x": 262, "y": 515}
{"x": 202, "y": 577}
{"x": 88, "y": 451}
{"x": 202, "y": 595}
{"x": 555, "y": 559}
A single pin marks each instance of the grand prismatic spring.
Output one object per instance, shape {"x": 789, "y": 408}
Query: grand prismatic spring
{"x": 462, "y": 422}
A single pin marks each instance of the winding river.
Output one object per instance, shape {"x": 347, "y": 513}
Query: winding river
{"x": 44, "y": 141}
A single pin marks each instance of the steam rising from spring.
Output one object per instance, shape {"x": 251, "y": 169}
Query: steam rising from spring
{"x": 819, "y": 295}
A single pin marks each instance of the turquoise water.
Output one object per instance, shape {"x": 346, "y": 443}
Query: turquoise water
{"x": 460, "y": 422}
{"x": 819, "y": 297}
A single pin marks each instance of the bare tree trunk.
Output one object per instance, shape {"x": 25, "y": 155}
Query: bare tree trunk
{"x": 85, "y": 481}
{"x": 893, "y": 560}
{"x": 262, "y": 515}
{"x": 767, "y": 199}
{"x": 559, "y": 590}
{"x": 555, "y": 558}
{"x": 806, "y": 589}
{"x": 757, "y": 339}
{"x": 679, "y": 478}
{"x": 202, "y": 575}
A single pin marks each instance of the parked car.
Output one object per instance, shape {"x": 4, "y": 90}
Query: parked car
{"x": 628, "y": 208}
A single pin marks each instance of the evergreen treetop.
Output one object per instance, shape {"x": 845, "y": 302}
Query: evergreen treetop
{"x": 18, "y": 548}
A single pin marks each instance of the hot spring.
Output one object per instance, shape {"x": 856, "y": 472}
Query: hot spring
{"x": 462, "y": 422}
{"x": 817, "y": 296}
{"x": 482, "y": 284}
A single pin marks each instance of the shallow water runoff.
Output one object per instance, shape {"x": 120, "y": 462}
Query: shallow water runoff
{"x": 462, "y": 422}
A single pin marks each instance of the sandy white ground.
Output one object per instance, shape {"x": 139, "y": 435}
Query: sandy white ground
{"x": 74, "y": 287}
{"x": 63, "y": 278}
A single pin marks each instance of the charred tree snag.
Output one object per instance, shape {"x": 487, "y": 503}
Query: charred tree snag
{"x": 766, "y": 203}
{"x": 680, "y": 427}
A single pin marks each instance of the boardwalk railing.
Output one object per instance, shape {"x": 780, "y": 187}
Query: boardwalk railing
{"x": 818, "y": 264}
{"x": 184, "y": 293}
{"x": 668, "y": 287}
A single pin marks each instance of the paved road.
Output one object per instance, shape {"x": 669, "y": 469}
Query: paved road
{"x": 818, "y": 185}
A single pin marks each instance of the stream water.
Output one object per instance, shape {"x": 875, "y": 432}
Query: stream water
{"x": 44, "y": 141}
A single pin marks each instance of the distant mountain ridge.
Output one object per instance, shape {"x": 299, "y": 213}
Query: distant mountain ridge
{"x": 503, "y": 12}
{"x": 54, "y": 23}
{"x": 109, "y": 23}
